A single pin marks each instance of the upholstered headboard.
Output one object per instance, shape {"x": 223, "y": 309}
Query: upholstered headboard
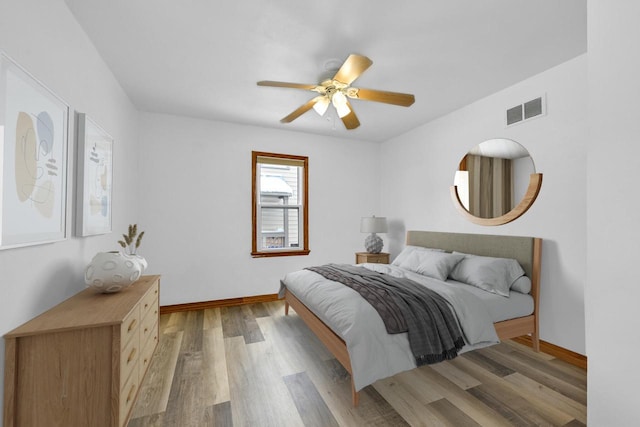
{"x": 528, "y": 252}
{"x": 524, "y": 249}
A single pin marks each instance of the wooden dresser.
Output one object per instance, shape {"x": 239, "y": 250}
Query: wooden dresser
{"x": 80, "y": 363}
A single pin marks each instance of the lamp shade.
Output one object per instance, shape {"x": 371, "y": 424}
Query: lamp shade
{"x": 373, "y": 224}
{"x": 321, "y": 106}
{"x": 339, "y": 101}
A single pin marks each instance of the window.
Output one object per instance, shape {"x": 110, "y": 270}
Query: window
{"x": 279, "y": 196}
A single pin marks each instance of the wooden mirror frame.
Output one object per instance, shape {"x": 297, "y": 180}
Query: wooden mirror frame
{"x": 535, "y": 182}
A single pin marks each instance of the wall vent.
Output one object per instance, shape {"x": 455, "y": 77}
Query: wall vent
{"x": 528, "y": 110}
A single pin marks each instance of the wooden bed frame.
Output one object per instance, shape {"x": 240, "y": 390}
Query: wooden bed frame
{"x": 527, "y": 250}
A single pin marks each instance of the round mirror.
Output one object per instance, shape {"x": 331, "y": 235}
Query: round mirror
{"x": 496, "y": 182}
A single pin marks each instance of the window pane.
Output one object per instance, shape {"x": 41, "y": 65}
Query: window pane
{"x": 279, "y": 227}
{"x": 277, "y": 181}
{"x": 294, "y": 227}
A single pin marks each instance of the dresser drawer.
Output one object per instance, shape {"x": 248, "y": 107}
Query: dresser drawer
{"x": 128, "y": 394}
{"x": 130, "y": 325}
{"x": 129, "y": 358}
{"x": 149, "y": 301}
{"x": 149, "y": 326}
{"x": 380, "y": 258}
{"x": 147, "y": 351}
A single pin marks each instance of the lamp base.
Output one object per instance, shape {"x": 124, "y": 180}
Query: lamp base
{"x": 373, "y": 243}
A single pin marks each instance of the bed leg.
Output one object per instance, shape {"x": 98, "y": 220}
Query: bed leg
{"x": 535, "y": 342}
{"x": 286, "y": 308}
{"x": 355, "y": 396}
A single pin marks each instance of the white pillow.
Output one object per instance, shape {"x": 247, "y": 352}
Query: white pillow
{"x": 495, "y": 275}
{"x": 522, "y": 285}
{"x": 408, "y": 250}
{"x": 431, "y": 263}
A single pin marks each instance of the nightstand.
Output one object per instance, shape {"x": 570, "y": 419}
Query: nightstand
{"x": 381, "y": 258}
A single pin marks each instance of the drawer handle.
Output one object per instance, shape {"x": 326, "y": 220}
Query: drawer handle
{"x": 130, "y": 395}
{"x": 155, "y": 291}
{"x": 146, "y": 305}
{"x": 146, "y": 330}
{"x": 132, "y": 325}
{"x": 145, "y": 361}
{"x": 131, "y": 355}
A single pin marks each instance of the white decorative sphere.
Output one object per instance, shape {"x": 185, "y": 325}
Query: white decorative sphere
{"x": 373, "y": 243}
{"x": 113, "y": 271}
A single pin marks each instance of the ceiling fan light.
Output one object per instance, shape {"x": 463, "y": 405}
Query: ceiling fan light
{"x": 343, "y": 110}
{"x": 339, "y": 101}
{"x": 321, "y": 106}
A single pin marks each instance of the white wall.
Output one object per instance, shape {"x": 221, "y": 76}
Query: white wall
{"x": 195, "y": 204}
{"x": 43, "y": 37}
{"x": 613, "y": 221}
{"x": 571, "y": 216}
{"x": 419, "y": 169}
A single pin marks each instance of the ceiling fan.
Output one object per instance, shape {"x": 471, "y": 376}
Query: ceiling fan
{"x": 338, "y": 89}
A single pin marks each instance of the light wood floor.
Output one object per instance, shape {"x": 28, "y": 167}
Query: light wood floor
{"x": 253, "y": 366}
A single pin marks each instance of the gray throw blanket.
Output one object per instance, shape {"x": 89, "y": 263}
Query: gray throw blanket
{"x": 404, "y": 306}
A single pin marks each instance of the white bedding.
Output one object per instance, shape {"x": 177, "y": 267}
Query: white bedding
{"x": 500, "y": 308}
{"x": 374, "y": 353}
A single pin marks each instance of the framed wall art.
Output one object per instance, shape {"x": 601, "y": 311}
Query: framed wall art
{"x": 33, "y": 154}
{"x": 95, "y": 178}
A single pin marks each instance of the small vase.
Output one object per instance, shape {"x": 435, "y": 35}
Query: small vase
{"x": 111, "y": 272}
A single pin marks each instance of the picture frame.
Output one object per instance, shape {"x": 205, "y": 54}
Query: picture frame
{"x": 33, "y": 159}
{"x": 94, "y": 178}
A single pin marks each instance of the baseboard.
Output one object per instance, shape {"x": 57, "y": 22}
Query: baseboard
{"x": 558, "y": 352}
{"x": 165, "y": 309}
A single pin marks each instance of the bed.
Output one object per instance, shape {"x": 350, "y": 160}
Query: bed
{"x": 338, "y": 315}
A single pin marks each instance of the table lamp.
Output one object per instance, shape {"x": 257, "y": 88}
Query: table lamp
{"x": 373, "y": 243}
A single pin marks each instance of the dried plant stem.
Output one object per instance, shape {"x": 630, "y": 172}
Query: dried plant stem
{"x": 131, "y": 241}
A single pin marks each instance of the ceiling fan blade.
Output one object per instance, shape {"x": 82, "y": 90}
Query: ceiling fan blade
{"x": 286, "y": 84}
{"x": 300, "y": 111}
{"x": 352, "y": 68}
{"x": 351, "y": 120}
{"x": 395, "y": 98}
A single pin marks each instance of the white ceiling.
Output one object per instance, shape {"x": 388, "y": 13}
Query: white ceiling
{"x": 202, "y": 58}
